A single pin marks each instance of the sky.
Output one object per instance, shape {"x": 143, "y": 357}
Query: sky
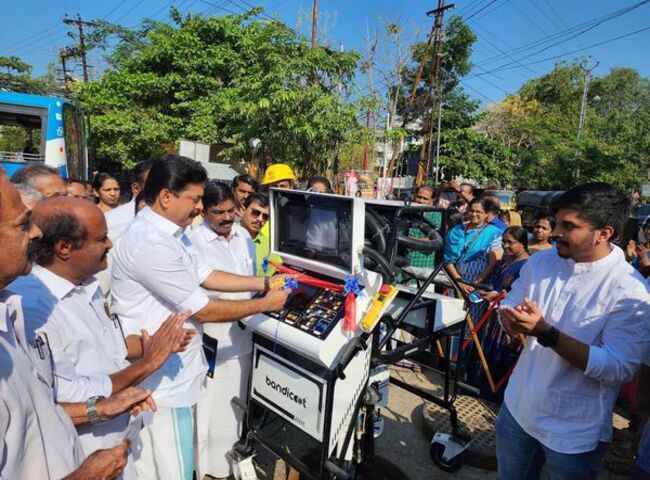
{"x": 33, "y": 30}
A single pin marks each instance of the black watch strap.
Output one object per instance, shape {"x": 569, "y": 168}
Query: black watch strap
{"x": 549, "y": 338}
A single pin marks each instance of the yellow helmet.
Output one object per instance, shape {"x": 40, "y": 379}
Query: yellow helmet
{"x": 278, "y": 172}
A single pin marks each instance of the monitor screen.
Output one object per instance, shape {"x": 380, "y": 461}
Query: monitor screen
{"x": 316, "y": 227}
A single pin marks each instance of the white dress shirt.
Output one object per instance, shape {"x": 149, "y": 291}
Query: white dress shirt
{"x": 155, "y": 273}
{"x": 86, "y": 345}
{"x": 235, "y": 254}
{"x": 37, "y": 438}
{"x": 604, "y": 304}
{"x": 118, "y": 219}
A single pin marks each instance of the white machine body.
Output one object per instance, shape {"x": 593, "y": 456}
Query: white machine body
{"x": 301, "y": 397}
{"x": 449, "y": 311}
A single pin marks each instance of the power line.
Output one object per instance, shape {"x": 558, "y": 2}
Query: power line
{"x": 490, "y": 11}
{"x": 555, "y": 57}
{"x": 475, "y": 90}
{"x": 527, "y": 17}
{"x": 469, "y": 6}
{"x": 220, "y": 7}
{"x": 115, "y": 9}
{"x": 568, "y": 34}
{"x": 480, "y": 10}
{"x": 500, "y": 50}
{"x": 129, "y": 11}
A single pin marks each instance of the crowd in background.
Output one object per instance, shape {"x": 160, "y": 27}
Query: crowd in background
{"x": 129, "y": 304}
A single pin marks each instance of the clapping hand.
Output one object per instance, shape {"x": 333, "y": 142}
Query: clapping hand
{"x": 128, "y": 399}
{"x": 526, "y": 318}
{"x": 170, "y": 338}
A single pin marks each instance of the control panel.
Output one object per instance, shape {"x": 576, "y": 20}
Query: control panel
{"x": 313, "y": 310}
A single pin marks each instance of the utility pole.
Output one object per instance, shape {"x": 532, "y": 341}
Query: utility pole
{"x": 80, "y": 24}
{"x": 434, "y": 86}
{"x": 438, "y": 143}
{"x": 583, "y": 106}
{"x": 64, "y": 54}
{"x": 314, "y": 24}
{"x": 370, "y": 114}
{"x": 583, "y": 112}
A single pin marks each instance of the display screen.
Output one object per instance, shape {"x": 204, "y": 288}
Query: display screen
{"x": 314, "y": 227}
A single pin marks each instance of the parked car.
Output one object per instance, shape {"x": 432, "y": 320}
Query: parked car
{"x": 530, "y": 203}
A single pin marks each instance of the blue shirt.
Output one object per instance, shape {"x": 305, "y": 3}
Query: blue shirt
{"x": 500, "y": 224}
{"x": 464, "y": 244}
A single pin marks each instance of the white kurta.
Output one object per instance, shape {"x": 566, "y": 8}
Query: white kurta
{"x": 87, "y": 347}
{"x": 37, "y": 438}
{"x": 604, "y": 304}
{"x": 218, "y": 421}
{"x": 154, "y": 274}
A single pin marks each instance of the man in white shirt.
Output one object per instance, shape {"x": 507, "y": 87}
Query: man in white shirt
{"x": 62, "y": 301}
{"x": 223, "y": 245}
{"x": 37, "y": 438}
{"x": 45, "y": 180}
{"x": 118, "y": 219}
{"x": 155, "y": 273}
{"x": 584, "y": 312}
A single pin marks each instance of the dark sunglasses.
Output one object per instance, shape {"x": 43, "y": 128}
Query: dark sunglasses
{"x": 258, "y": 213}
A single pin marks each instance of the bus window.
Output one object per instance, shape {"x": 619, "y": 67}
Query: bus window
{"x": 73, "y": 147}
{"x": 21, "y": 133}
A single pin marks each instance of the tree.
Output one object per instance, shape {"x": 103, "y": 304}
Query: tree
{"x": 414, "y": 97}
{"x": 470, "y": 154}
{"x": 16, "y": 76}
{"x": 540, "y": 124}
{"x": 223, "y": 80}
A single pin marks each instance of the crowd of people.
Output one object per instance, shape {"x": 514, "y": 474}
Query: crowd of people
{"x": 109, "y": 311}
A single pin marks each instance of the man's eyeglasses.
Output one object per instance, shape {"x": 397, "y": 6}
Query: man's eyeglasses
{"x": 258, "y": 213}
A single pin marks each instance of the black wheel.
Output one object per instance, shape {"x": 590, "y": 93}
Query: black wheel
{"x": 451, "y": 466}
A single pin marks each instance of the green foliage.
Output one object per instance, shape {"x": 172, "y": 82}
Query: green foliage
{"x": 16, "y": 75}
{"x": 223, "y": 80}
{"x": 457, "y": 50}
{"x": 540, "y": 123}
{"x": 470, "y": 154}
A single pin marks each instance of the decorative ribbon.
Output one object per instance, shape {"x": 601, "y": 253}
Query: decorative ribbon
{"x": 350, "y": 288}
{"x": 265, "y": 265}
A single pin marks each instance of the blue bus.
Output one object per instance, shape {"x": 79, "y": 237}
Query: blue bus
{"x": 36, "y": 129}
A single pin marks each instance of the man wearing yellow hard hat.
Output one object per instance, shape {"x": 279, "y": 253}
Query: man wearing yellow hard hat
{"x": 277, "y": 175}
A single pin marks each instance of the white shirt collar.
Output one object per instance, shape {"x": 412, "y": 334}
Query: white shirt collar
{"x": 210, "y": 235}
{"x": 61, "y": 287}
{"x": 614, "y": 256}
{"x": 163, "y": 224}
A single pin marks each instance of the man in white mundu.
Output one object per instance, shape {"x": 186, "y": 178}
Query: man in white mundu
{"x": 155, "y": 273}
{"x": 223, "y": 245}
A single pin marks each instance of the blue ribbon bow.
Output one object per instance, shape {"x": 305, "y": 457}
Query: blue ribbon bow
{"x": 351, "y": 285}
{"x": 290, "y": 283}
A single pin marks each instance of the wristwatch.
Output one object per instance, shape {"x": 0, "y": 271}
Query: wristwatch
{"x": 91, "y": 406}
{"x": 549, "y": 338}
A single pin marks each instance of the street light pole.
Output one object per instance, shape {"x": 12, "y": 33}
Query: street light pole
{"x": 583, "y": 106}
{"x": 583, "y": 112}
